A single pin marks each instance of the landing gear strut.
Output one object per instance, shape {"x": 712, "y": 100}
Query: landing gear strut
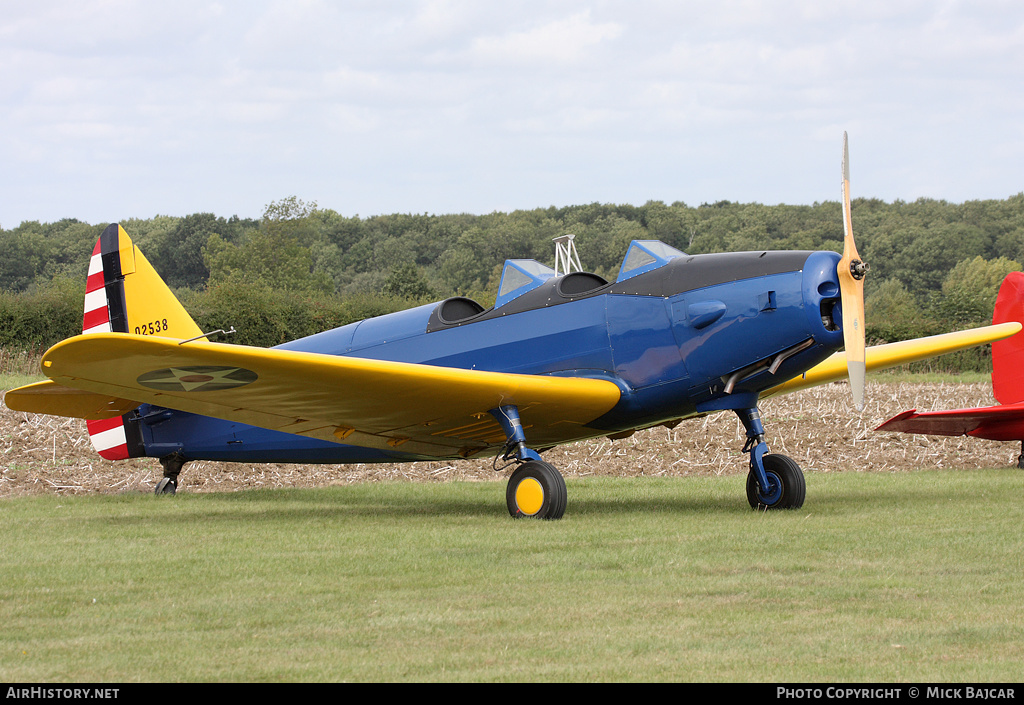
{"x": 535, "y": 489}
{"x": 775, "y": 481}
{"x": 172, "y": 465}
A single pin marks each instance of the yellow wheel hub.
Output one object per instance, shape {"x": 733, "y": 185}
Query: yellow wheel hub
{"x": 529, "y": 496}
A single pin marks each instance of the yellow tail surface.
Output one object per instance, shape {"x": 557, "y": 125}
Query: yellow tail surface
{"x": 124, "y": 294}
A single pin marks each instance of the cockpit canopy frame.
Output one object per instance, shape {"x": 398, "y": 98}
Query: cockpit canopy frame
{"x": 519, "y": 277}
{"x": 644, "y": 256}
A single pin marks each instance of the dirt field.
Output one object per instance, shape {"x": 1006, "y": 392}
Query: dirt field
{"x": 817, "y": 427}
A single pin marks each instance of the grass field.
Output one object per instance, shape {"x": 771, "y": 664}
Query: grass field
{"x": 658, "y": 572}
{"x": 881, "y": 577}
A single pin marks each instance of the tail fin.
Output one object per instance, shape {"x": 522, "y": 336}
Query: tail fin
{"x": 1008, "y": 354}
{"x": 124, "y": 294}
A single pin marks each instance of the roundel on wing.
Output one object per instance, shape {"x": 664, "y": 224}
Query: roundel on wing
{"x": 204, "y": 378}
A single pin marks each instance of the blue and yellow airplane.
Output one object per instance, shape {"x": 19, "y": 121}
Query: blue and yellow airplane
{"x": 557, "y": 359}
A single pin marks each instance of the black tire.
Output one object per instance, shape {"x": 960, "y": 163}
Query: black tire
{"x": 783, "y": 470}
{"x": 166, "y": 486}
{"x": 536, "y": 490}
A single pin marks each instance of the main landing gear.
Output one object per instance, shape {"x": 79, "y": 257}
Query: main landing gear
{"x": 535, "y": 489}
{"x": 775, "y": 481}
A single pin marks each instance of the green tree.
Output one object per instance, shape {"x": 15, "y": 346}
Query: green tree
{"x": 407, "y": 282}
{"x": 24, "y": 254}
{"x": 277, "y": 255}
{"x": 891, "y": 313}
{"x": 969, "y": 291}
{"x": 291, "y": 218}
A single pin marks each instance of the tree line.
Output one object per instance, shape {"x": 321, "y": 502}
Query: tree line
{"x": 935, "y": 266}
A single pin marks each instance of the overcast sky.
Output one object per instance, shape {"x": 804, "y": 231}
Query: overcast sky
{"x": 120, "y": 108}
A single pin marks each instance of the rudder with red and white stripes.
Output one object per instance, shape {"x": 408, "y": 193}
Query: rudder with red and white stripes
{"x": 97, "y": 318}
{"x": 119, "y": 437}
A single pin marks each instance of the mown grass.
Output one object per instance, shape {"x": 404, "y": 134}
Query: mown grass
{"x": 879, "y": 578}
{"x": 18, "y": 367}
{"x": 10, "y": 381}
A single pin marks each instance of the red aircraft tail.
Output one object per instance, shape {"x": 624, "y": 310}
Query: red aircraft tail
{"x": 1008, "y": 354}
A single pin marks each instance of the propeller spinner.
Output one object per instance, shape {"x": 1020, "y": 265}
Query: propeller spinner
{"x": 851, "y": 271}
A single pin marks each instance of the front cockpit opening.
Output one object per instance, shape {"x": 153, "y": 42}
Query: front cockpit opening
{"x": 457, "y": 309}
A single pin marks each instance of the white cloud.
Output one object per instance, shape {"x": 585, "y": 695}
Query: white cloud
{"x": 562, "y": 42}
{"x": 227, "y": 105}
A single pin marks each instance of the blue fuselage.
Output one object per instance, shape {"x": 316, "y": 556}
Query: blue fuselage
{"x": 699, "y": 334}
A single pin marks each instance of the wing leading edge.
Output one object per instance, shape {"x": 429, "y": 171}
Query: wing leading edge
{"x": 417, "y": 409}
{"x": 880, "y": 357}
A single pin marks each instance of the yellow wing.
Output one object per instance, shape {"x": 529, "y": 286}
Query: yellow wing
{"x": 417, "y": 409}
{"x": 420, "y": 409}
{"x": 880, "y": 357}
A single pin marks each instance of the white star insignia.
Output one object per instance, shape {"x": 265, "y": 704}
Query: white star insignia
{"x": 192, "y": 379}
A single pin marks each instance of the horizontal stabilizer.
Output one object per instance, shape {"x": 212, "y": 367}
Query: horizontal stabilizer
{"x": 54, "y": 399}
{"x": 997, "y": 423}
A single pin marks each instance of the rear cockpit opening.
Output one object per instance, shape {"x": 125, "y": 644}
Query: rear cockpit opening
{"x": 577, "y": 283}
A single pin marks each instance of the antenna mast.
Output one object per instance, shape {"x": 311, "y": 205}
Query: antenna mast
{"x": 566, "y": 259}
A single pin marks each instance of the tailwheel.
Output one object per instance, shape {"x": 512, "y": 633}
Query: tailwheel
{"x": 172, "y": 465}
{"x": 786, "y": 485}
{"x": 536, "y": 490}
{"x": 166, "y": 485}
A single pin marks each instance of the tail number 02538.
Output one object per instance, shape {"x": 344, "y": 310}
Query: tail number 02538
{"x": 152, "y": 328}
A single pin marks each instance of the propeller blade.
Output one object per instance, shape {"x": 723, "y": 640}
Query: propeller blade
{"x": 851, "y": 271}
